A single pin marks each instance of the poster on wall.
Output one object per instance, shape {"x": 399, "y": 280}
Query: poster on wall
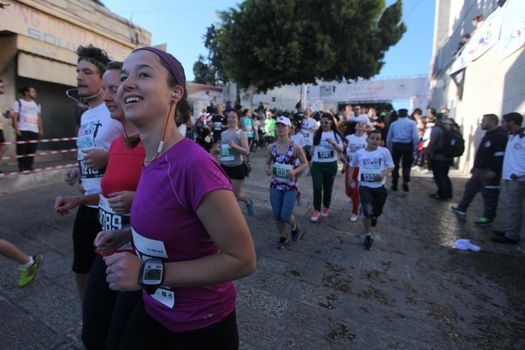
{"x": 512, "y": 27}
{"x": 484, "y": 37}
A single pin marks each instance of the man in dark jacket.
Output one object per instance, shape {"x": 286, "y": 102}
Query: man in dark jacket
{"x": 439, "y": 162}
{"x": 486, "y": 173}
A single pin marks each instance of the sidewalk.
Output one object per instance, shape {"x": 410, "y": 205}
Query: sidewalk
{"x": 411, "y": 291}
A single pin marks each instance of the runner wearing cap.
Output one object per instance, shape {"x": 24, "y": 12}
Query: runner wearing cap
{"x": 188, "y": 231}
{"x": 327, "y": 143}
{"x": 233, "y": 147}
{"x": 281, "y": 164}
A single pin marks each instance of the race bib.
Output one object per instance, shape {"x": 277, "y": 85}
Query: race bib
{"x": 280, "y": 172}
{"x": 148, "y": 248}
{"x": 306, "y": 133}
{"x": 207, "y": 139}
{"x": 325, "y": 154}
{"x": 109, "y": 220}
{"x": 227, "y": 153}
{"x": 371, "y": 177}
{"x": 85, "y": 142}
{"x": 217, "y": 126}
{"x": 31, "y": 121}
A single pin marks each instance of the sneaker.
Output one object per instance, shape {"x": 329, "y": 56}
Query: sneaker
{"x": 484, "y": 222}
{"x": 458, "y": 211}
{"x": 281, "y": 243}
{"x": 315, "y": 216}
{"x": 374, "y": 221}
{"x": 324, "y": 212}
{"x": 354, "y": 217}
{"x": 249, "y": 207}
{"x": 368, "y": 242}
{"x": 438, "y": 197}
{"x": 405, "y": 187}
{"x": 28, "y": 273}
{"x": 295, "y": 233}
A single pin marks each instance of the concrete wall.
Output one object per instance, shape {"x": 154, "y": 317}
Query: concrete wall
{"x": 491, "y": 85}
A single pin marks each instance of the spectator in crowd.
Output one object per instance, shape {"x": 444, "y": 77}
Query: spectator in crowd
{"x": 439, "y": 162}
{"x": 513, "y": 184}
{"x": 27, "y": 122}
{"x": 3, "y": 148}
{"x": 402, "y": 141}
{"x": 486, "y": 173}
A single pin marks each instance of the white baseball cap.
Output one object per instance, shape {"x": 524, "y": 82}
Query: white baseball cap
{"x": 283, "y": 120}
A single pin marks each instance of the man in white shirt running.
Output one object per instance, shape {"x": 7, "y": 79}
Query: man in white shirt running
{"x": 97, "y": 131}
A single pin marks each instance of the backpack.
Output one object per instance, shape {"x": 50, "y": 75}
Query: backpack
{"x": 453, "y": 141}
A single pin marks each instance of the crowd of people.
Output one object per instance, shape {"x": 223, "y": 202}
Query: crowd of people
{"x": 159, "y": 235}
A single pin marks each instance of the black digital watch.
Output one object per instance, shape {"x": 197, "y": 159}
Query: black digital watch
{"x": 152, "y": 274}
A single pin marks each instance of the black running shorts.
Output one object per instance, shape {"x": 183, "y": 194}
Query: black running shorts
{"x": 85, "y": 230}
{"x": 235, "y": 172}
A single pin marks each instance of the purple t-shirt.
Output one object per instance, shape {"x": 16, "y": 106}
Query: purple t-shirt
{"x": 165, "y": 224}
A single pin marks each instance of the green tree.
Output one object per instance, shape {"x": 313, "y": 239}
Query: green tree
{"x": 201, "y": 71}
{"x": 263, "y": 44}
{"x": 209, "y": 70}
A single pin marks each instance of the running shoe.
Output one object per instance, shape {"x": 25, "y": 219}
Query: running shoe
{"x": 438, "y": 197}
{"x": 249, "y": 207}
{"x": 458, "y": 211}
{"x": 354, "y": 217}
{"x": 26, "y": 274}
{"x": 368, "y": 242}
{"x": 281, "y": 243}
{"x": 484, "y": 222}
{"x": 405, "y": 187}
{"x": 315, "y": 216}
{"x": 374, "y": 221}
{"x": 295, "y": 233}
{"x": 324, "y": 212}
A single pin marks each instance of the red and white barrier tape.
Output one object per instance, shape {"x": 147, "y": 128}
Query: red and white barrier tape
{"x": 42, "y": 153}
{"x": 38, "y": 170}
{"x": 55, "y": 139}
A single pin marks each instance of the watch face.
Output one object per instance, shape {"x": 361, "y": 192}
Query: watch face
{"x": 152, "y": 275}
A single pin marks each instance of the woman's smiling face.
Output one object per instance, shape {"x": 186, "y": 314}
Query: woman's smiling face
{"x": 144, "y": 93}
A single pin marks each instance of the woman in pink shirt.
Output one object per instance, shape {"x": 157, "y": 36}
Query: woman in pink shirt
{"x": 187, "y": 228}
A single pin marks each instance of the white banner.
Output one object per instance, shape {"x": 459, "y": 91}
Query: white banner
{"x": 373, "y": 90}
{"x": 484, "y": 37}
{"x": 512, "y": 27}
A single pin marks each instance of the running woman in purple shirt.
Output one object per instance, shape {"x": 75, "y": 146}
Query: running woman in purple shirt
{"x": 190, "y": 236}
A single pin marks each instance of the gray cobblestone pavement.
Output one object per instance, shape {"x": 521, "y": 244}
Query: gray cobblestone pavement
{"x": 411, "y": 291}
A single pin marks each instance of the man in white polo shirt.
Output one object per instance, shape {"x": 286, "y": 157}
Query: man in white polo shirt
{"x": 513, "y": 180}
{"x": 28, "y": 126}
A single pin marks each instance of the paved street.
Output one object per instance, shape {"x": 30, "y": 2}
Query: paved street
{"x": 412, "y": 291}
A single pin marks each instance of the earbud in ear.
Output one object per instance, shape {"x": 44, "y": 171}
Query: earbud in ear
{"x": 174, "y": 94}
